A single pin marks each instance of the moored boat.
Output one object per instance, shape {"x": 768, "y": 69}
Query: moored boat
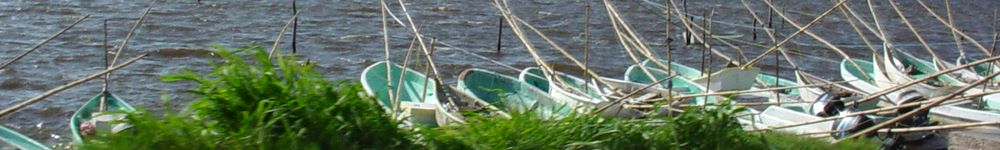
{"x": 91, "y": 108}
{"x": 416, "y": 96}
{"x": 635, "y": 74}
{"x": 509, "y": 94}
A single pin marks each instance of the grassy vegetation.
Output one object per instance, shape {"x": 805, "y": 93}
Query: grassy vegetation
{"x": 250, "y": 102}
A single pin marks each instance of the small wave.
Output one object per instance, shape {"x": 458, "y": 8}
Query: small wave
{"x": 184, "y": 52}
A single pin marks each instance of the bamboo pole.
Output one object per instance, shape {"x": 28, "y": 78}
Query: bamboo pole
{"x": 427, "y": 52}
{"x": 813, "y": 35}
{"x": 753, "y": 91}
{"x": 646, "y": 106}
{"x": 566, "y": 54}
{"x": 917, "y": 81}
{"x": 619, "y": 100}
{"x": 954, "y": 36}
{"x": 789, "y": 38}
{"x": 941, "y": 127}
{"x": 955, "y": 30}
{"x": 388, "y": 66}
{"x": 638, "y": 43}
{"x": 128, "y": 36}
{"x": 876, "y": 110}
{"x": 39, "y": 44}
{"x": 513, "y": 22}
{"x": 51, "y": 92}
{"x": 406, "y": 61}
{"x": 277, "y": 40}
{"x": 920, "y": 38}
{"x": 907, "y": 115}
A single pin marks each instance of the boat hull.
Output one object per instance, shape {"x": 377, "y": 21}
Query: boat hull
{"x": 20, "y": 141}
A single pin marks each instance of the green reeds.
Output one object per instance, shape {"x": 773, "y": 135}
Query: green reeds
{"x": 252, "y": 102}
{"x": 259, "y": 103}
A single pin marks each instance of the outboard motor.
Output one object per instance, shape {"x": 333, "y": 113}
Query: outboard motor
{"x": 911, "y": 96}
{"x": 851, "y": 125}
{"x": 828, "y": 104}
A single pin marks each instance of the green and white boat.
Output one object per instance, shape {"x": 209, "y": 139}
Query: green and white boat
{"x": 727, "y": 79}
{"x": 583, "y": 96}
{"x": 509, "y": 94}
{"x": 572, "y": 92}
{"x": 907, "y": 67}
{"x": 762, "y": 80}
{"x": 863, "y": 80}
{"x": 982, "y": 70}
{"x": 92, "y": 106}
{"x": 987, "y": 111}
{"x": 19, "y": 141}
{"x": 417, "y": 95}
{"x": 683, "y": 86}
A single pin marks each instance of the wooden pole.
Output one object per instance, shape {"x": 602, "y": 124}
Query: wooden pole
{"x": 39, "y": 44}
{"x": 51, "y": 92}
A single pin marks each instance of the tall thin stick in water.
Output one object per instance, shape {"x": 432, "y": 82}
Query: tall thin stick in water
{"x": 295, "y": 27}
{"x": 33, "y": 48}
{"x": 499, "y": 34}
{"x": 666, "y": 40}
{"x": 586, "y": 46}
{"x": 104, "y": 52}
{"x": 708, "y": 44}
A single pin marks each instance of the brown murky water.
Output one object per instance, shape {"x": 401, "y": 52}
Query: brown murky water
{"x": 343, "y": 36}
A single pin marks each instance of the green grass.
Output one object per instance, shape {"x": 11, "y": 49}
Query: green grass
{"x": 250, "y": 102}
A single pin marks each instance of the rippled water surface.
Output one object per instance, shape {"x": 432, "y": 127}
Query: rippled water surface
{"x": 343, "y": 36}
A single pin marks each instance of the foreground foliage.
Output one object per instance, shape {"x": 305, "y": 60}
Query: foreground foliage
{"x": 250, "y": 102}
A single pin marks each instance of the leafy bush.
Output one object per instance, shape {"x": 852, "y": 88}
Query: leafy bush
{"x": 252, "y": 102}
{"x": 263, "y": 104}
